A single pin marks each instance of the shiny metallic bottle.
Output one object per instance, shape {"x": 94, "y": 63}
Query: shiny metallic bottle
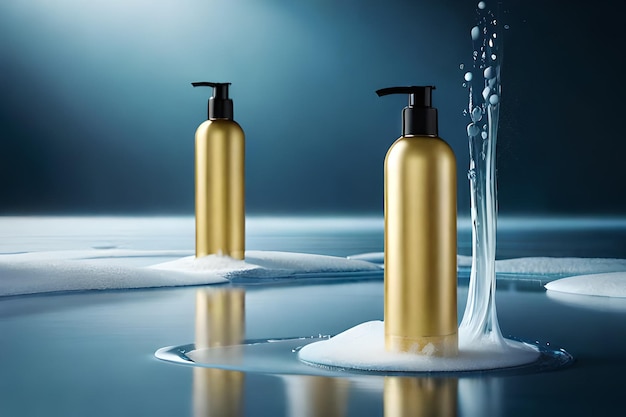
{"x": 220, "y": 203}
{"x": 420, "y": 234}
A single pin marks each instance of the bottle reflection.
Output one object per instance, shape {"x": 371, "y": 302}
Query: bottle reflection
{"x": 420, "y": 397}
{"x": 316, "y": 396}
{"x": 220, "y": 321}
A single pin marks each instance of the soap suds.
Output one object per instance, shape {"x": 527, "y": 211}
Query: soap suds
{"x": 363, "y": 348}
{"x": 602, "y": 285}
{"x": 109, "y": 269}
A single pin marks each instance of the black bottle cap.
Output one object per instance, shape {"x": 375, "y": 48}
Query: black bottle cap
{"x": 220, "y": 106}
{"x": 419, "y": 118}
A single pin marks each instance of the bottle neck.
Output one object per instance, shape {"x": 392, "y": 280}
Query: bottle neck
{"x": 419, "y": 121}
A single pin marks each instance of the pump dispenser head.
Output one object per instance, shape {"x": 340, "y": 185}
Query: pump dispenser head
{"x": 220, "y": 106}
{"x": 419, "y": 118}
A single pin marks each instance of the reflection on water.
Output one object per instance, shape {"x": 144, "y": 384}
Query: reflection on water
{"x": 220, "y": 321}
{"x": 316, "y": 396}
{"x": 420, "y": 397}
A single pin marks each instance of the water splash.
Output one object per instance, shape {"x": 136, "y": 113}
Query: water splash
{"x": 480, "y": 320}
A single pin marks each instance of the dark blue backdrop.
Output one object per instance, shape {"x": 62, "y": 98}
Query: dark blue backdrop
{"x": 97, "y": 114}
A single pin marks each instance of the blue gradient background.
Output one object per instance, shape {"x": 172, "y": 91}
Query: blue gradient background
{"x": 97, "y": 114}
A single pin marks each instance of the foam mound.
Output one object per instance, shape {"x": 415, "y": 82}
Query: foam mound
{"x": 110, "y": 269}
{"x": 602, "y": 285}
{"x": 363, "y": 348}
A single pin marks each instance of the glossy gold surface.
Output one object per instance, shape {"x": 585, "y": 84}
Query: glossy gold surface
{"x": 220, "y": 317}
{"x": 420, "y": 247}
{"x": 220, "y": 321}
{"x": 420, "y": 397}
{"x": 220, "y": 199}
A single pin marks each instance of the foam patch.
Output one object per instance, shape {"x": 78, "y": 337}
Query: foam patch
{"x": 601, "y": 285}
{"x": 363, "y": 348}
{"x": 109, "y": 269}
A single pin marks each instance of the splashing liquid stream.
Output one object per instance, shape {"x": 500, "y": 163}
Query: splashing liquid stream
{"x": 480, "y": 320}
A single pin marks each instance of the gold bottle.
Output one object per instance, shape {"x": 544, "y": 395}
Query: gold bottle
{"x": 420, "y": 397}
{"x": 220, "y": 208}
{"x": 420, "y": 234}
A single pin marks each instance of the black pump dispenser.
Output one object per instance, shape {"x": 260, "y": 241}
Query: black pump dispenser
{"x": 220, "y": 106}
{"x": 419, "y": 118}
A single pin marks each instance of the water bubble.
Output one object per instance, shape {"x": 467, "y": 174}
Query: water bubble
{"x": 486, "y": 92}
{"x": 506, "y": 26}
{"x": 484, "y": 135}
{"x": 494, "y": 99}
{"x": 472, "y": 130}
{"x": 489, "y": 73}
{"x": 482, "y": 5}
{"x": 468, "y": 76}
{"x": 493, "y": 57}
{"x": 461, "y": 66}
{"x": 475, "y": 32}
{"x": 477, "y": 114}
{"x": 464, "y": 112}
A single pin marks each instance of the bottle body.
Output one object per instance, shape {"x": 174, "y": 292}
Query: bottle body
{"x": 219, "y": 189}
{"x": 421, "y": 247}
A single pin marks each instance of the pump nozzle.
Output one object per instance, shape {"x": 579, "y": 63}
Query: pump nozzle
{"x": 220, "y": 106}
{"x": 419, "y": 117}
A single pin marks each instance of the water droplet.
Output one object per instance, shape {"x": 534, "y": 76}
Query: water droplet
{"x": 471, "y": 174}
{"x": 493, "y": 57}
{"x": 464, "y": 85}
{"x": 482, "y": 5}
{"x": 475, "y": 33}
{"x": 490, "y": 43}
{"x": 489, "y": 73}
{"x": 468, "y": 76}
{"x": 485, "y": 127}
{"x": 494, "y": 99}
{"x": 506, "y": 27}
{"x": 461, "y": 66}
{"x": 486, "y": 92}
{"x": 492, "y": 83}
{"x": 464, "y": 112}
{"x": 472, "y": 130}
{"x": 494, "y": 36}
{"x": 484, "y": 135}
{"x": 475, "y": 54}
{"x": 483, "y": 55}
{"x": 477, "y": 114}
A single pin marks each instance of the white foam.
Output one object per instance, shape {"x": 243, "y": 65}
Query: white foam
{"x": 363, "y": 348}
{"x": 558, "y": 266}
{"x": 106, "y": 269}
{"x": 603, "y": 285}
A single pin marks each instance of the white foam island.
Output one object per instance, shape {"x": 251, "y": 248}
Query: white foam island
{"x": 106, "y": 269}
{"x": 603, "y": 285}
{"x": 363, "y": 348}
